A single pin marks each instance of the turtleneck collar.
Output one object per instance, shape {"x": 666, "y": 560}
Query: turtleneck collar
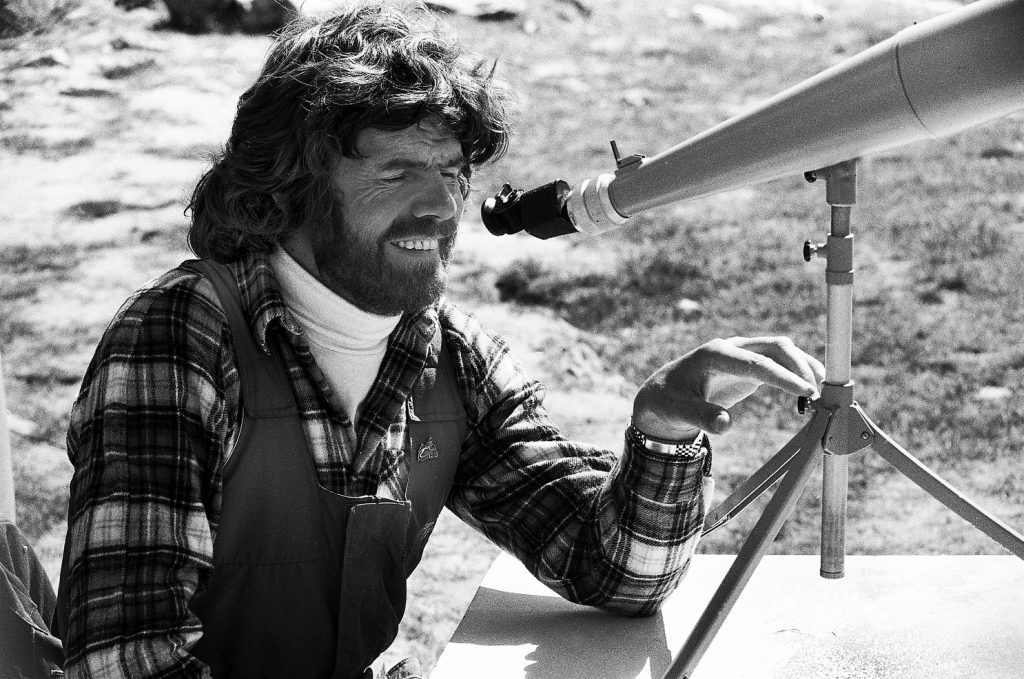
{"x": 327, "y": 319}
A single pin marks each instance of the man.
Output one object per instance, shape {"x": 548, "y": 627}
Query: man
{"x": 264, "y": 439}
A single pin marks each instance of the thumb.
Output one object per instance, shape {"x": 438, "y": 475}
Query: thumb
{"x": 699, "y": 413}
{"x": 715, "y": 419}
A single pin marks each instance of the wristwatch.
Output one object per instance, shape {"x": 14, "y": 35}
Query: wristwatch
{"x": 699, "y": 447}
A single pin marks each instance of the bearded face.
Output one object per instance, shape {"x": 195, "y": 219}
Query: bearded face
{"x": 387, "y": 246}
{"x": 368, "y": 272}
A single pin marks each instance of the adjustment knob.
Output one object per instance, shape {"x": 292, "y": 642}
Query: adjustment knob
{"x": 811, "y": 249}
{"x": 801, "y": 404}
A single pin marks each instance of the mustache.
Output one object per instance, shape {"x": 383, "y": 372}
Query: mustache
{"x": 409, "y": 228}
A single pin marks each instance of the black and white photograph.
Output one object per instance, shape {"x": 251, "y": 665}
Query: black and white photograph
{"x": 511, "y": 339}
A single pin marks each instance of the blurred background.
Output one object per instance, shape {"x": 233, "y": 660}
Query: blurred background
{"x": 109, "y": 113}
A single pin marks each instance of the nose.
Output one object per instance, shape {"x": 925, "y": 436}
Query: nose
{"x": 437, "y": 199}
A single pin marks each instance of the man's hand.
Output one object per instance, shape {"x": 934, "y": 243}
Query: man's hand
{"x": 696, "y": 390}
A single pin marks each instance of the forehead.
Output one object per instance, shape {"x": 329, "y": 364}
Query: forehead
{"x": 424, "y": 142}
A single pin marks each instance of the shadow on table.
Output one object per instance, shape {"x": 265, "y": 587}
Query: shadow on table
{"x": 573, "y": 642}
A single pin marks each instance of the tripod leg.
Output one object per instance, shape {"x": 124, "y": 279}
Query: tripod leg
{"x": 761, "y": 480}
{"x": 761, "y": 537}
{"x": 834, "y": 485}
{"x": 938, "y": 488}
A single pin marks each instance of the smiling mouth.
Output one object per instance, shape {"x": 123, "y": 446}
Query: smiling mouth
{"x": 425, "y": 244}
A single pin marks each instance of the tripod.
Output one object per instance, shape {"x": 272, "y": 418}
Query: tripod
{"x": 838, "y": 428}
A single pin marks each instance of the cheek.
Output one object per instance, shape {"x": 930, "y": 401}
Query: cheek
{"x": 367, "y": 220}
{"x": 460, "y": 202}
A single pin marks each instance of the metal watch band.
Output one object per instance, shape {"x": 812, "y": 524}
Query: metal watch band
{"x": 690, "y": 451}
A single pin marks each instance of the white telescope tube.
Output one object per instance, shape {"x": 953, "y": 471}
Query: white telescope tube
{"x": 931, "y": 80}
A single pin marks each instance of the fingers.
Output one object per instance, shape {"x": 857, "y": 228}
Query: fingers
{"x": 774, "y": 361}
{"x": 817, "y": 367}
{"x": 697, "y": 389}
{"x": 783, "y": 351}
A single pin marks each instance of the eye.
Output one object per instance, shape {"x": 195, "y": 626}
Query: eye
{"x": 394, "y": 178}
{"x": 457, "y": 177}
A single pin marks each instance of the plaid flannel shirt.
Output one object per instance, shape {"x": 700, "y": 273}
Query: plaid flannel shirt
{"x": 159, "y": 409}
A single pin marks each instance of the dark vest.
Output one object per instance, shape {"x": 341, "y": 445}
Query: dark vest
{"x": 307, "y": 583}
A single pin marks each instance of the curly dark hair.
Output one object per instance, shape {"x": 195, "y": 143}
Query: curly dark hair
{"x": 324, "y": 81}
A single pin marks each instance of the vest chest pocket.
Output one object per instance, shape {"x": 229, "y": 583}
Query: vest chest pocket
{"x": 435, "y": 431}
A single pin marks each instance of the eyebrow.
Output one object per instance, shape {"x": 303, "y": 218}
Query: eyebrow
{"x": 400, "y": 163}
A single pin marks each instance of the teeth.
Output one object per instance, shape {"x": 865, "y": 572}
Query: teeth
{"x": 429, "y": 244}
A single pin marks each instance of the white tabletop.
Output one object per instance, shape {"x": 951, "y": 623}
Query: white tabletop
{"x": 891, "y": 617}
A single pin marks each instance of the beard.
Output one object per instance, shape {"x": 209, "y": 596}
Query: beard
{"x": 359, "y": 269}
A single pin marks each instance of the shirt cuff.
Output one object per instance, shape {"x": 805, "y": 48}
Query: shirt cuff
{"x": 665, "y": 477}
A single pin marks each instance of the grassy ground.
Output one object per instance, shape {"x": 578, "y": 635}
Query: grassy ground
{"x": 101, "y": 146}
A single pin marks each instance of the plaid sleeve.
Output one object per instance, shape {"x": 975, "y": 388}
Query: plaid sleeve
{"x": 146, "y": 438}
{"x": 599, "y": 529}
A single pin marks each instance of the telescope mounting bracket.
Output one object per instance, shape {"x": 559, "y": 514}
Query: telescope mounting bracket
{"x": 848, "y": 431}
{"x": 622, "y": 163}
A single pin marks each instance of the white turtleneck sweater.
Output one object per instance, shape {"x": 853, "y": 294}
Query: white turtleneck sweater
{"x": 347, "y": 342}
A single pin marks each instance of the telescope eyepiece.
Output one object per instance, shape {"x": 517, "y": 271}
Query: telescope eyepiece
{"x": 541, "y": 212}
{"x": 501, "y": 212}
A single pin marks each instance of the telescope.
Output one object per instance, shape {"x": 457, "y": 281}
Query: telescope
{"x": 931, "y": 80}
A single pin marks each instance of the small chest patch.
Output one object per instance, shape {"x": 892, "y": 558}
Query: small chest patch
{"x": 427, "y": 451}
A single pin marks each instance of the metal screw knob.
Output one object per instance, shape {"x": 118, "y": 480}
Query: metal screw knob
{"x": 812, "y": 249}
